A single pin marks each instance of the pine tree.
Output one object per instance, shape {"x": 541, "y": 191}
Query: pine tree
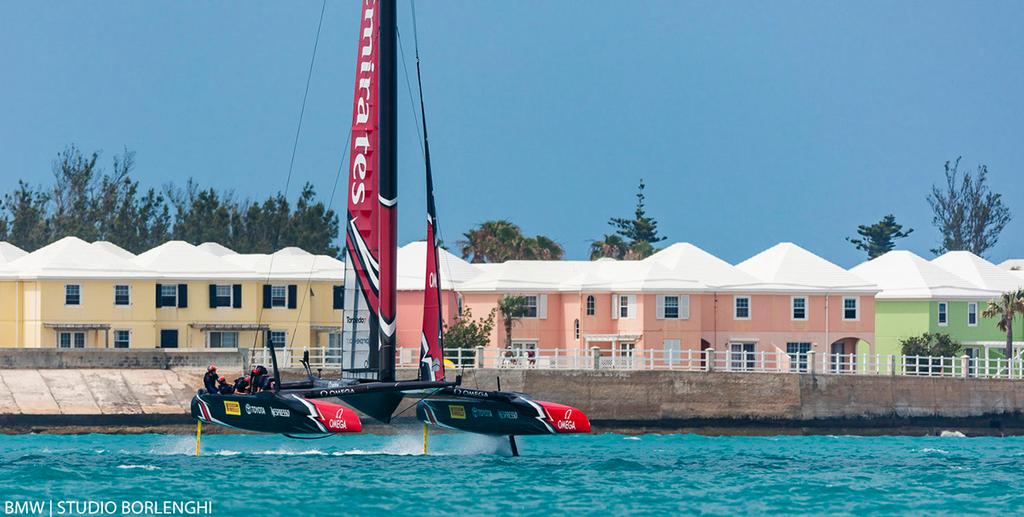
{"x": 879, "y": 238}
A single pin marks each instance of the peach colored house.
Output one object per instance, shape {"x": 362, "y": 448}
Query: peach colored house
{"x": 785, "y": 300}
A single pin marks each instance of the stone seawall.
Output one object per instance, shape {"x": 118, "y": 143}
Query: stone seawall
{"x": 97, "y": 392}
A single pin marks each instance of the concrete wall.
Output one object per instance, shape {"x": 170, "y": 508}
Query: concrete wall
{"x": 120, "y": 389}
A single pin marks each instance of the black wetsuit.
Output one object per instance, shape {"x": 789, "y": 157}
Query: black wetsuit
{"x": 225, "y": 389}
{"x": 210, "y": 382}
{"x": 241, "y": 385}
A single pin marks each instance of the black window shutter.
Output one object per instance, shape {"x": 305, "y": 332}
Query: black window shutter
{"x": 266, "y": 296}
{"x": 159, "y": 300}
{"x": 293, "y": 293}
{"x": 182, "y": 296}
{"x": 213, "y": 296}
{"x": 339, "y": 297}
{"x": 236, "y": 296}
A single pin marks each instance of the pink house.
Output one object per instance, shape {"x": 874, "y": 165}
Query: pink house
{"x": 675, "y": 303}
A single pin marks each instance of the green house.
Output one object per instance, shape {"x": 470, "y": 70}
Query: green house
{"x": 946, "y": 295}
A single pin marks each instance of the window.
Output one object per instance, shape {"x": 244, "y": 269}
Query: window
{"x": 122, "y": 338}
{"x": 972, "y": 314}
{"x": 799, "y": 308}
{"x": 278, "y": 338}
{"x": 798, "y": 356}
{"x": 169, "y": 295}
{"x": 531, "y": 306}
{"x": 278, "y": 296}
{"x": 741, "y": 356}
{"x": 577, "y": 332}
{"x": 222, "y": 295}
{"x": 943, "y": 313}
{"x": 222, "y": 340}
{"x": 742, "y": 307}
{"x": 168, "y": 338}
{"x": 71, "y": 340}
{"x": 625, "y": 350}
{"x": 591, "y": 305}
{"x": 672, "y": 307}
{"x": 624, "y": 306}
{"x": 122, "y": 295}
{"x": 850, "y": 307}
{"x": 458, "y": 303}
{"x": 72, "y": 294}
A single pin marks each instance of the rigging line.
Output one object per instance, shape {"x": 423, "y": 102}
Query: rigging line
{"x": 330, "y": 203}
{"x": 423, "y": 115}
{"x": 408, "y": 89}
{"x": 291, "y": 162}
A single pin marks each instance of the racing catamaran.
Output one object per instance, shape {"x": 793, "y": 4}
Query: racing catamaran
{"x": 367, "y": 353}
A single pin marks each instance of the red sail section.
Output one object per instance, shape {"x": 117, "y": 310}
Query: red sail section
{"x": 431, "y": 357}
{"x": 358, "y": 349}
{"x": 362, "y": 233}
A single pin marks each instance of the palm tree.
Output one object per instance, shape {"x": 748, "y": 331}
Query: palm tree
{"x": 501, "y": 240}
{"x": 1005, "y": 308}
{"x": 611, "y": 246}
{"x": 543, "y": 248}
{"x": 511, "y": 308}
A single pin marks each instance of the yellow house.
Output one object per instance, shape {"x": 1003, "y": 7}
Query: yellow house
{"x": 74, "y": 294}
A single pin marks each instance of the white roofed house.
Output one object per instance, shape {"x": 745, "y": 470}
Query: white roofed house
{"x": 73, "y": 294}
{"x": 918, "y": 296}
{"x": 801, "y": 302}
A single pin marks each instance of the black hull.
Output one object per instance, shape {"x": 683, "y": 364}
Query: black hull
{"x": 499, "y": 413}
{"x": 278, "y": 413}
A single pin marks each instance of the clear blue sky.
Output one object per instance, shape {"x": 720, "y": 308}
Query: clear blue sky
{"x": 752, "y": 122}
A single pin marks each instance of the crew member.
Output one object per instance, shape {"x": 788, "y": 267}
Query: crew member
{"x": 258, "y": 379}
{"x": 223, "y": 387}
{"x": 242, "y": 384}
{"x": 210, "y": 379}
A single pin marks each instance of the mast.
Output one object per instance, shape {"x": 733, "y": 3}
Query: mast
{"x": 388, "y": 196}
{"x": 432, "y": 346}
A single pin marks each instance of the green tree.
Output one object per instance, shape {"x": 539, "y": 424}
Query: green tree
{"x": 313, "y": 226}
{"x": 634, "y": 238}
{"x": 967, "y": 213}
{"x": 501, "y": 240}
{"x": 1004, "y": 310}
{"x": 26, "y": 217}
{"x": 512, "y": 308}
{"x": 924, "y": 352}
{"x": 879, "y": 238}
{"x": 468, "y": 333}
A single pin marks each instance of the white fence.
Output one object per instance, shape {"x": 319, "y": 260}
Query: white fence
{"x": 692, "y": 360}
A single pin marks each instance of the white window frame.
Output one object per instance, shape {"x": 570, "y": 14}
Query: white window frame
{"x": 576, "y": 329}
{"x": 209, "y": 338}
{"x": 231, "y": 295}
{"x": 665, "y": 307}
{"x": 164, "y": 297}
{"x": 972, "y": 313}
{"x": 942, "y": 313}
{"x": 856, "y": 308}
{"x": 623, "y": 306}
{"x": 535, "y": 306}
{"x": 284, "y": 338}
{"x": 283, "y": 297}
{"x": 71, "y": 335}
{"x": 78, "y": 287}
{"x": 127, "y": 287}
{"x": 127, "y": 333}
{"x": 735, "y": 306}
{"x": 792, "y": 308}
{"x": 591, "y": 304}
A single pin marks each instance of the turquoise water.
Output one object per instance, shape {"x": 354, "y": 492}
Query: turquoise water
{"x": 465, "y": 474}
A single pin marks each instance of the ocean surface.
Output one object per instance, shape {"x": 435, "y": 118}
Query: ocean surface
{"x": 562, "y": 475}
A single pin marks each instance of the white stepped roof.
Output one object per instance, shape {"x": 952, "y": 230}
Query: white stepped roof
{"x": 412, "y": 264}
{"x": 10, "y": 252}
{"x": 902, "y": 275}
{"x": 525, "y": 276}
{"x": 179, "y": 259}
{"x": 289, "y": 263}
{"x": 787, "y": 266}
{"x": 1013, "y": 264}
{"x": 72, "y": 258}
{"x": 115, "y": 249}
{"x": 216, "y": 248}
{"x": 688, "y": 263}
{"x": 979, "y": 271}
